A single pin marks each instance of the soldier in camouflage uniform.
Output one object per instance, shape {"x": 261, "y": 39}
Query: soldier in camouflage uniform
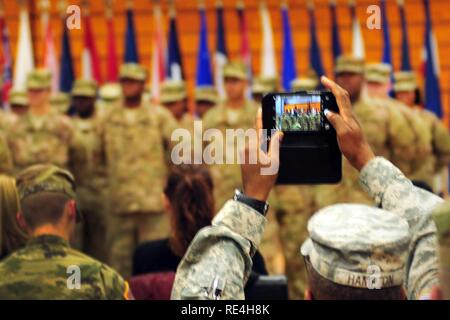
{"x": 206, "y": 98}
{"x": 18, "y": 102}
{"x": 88, "y": 166}
{"x": 436, "y": 134}
{"x": 218, "y": 262}
{"x": 136, "y": 137}
{"x": 305, "y": 84}
{"x": 41, "y": 135}
{"x": 174, "y": 99}
{"x": 110, "y": 97}
{"x": 235, "y": 113}
{"x": 378, "y": 80}
{"x": 44, "y": 267}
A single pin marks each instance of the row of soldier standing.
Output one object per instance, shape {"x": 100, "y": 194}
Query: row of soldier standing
{"x": 118, "y": 148}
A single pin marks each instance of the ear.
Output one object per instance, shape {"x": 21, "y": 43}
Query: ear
{"x": 308, "y": 294}
{"x": 21, "y": 220}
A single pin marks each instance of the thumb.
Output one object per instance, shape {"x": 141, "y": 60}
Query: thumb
{"x": 336, "y": 121}
{"x": 275, "y": 142}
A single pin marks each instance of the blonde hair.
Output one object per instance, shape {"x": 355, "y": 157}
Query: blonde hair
{"x": 12, "y": 236}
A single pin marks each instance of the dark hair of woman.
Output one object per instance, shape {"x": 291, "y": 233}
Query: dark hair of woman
{"x": 189, "y": 190}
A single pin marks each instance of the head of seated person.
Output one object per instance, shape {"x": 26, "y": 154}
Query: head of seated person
{"x": 12, "y": 236}
{"x": 356, "y": 252}
{"x": 48, "y": 204}
{"x": 189, "y": 201}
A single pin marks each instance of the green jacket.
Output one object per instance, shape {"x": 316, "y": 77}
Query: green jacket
{"x": 44, "y": 270}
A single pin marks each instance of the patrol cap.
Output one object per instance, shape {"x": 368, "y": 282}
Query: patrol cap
{"x": 173, "y": 91}
{"x": 60, "y": 101}
{"x": 18, "y": 98}
{"x": 45, "y": 178}
{"x": 235, "y": 69}
{"x": 39, "y": 79}
{"x": 349, "y": 244}
{"x": 206, "y": 93}
{"x": 405, "y": 81}
{"x": 263, "y": 85}
{"x": 110, "y": 92}
{"x": 84, "y": 88}
{"x": 347, "y": 63}
{"x": 301, "y": 84}
{"x": 133, "y": 71}
{"x": 378, "y": 72}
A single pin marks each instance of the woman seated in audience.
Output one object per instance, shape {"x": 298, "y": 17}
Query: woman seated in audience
{"x": 188, "y": 199}
{"x": 12, "y": 236}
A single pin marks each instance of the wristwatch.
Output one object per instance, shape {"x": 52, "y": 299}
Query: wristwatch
{"x": 260, "y": 206}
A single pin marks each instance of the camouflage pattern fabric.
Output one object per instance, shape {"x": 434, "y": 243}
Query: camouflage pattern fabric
{"x": 218, "y": 262}
{"x": 389, "y": 187}
{"x": 219, "y": 258}
{"x": 40, "y": 139}
{"x": 136, "y": 143}
{"x": 88, "y": 165}
{"x": 40, "y": 271}
{"x": 358, "y": 246}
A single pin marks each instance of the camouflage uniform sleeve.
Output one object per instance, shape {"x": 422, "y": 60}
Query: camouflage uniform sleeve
{"x": 6, "y": 164}
{"x": 116, "y": 288}
{"x": 219, "y": 260}
{"x": 441, "y": 144}
{"x": 387, "y": 185}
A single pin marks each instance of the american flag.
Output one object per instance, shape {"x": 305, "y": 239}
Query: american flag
{"x": 5, "y": 59}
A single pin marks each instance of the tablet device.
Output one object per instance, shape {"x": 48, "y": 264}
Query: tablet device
{"x": 309, "y": 152}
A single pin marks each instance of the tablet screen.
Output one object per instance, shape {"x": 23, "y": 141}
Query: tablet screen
{"x": 298, "y": 113}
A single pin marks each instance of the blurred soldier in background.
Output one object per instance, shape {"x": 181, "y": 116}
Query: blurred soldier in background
{"x": 378, "y": 85}
{"x": 18, "y": 102}
{"x": 427, "y": 170}
{"x": 42, "y": 269}
{"x": 41, "y": 135}
{"x": 60, "y": 102}
{"x": 110, "y": 96}
{"x": 305, "y": 84}
{"x": 262, "y": 86}
{"x": 87, "y": 164}
{"x": 235, "y": 113}
{"x": 174, "y": 98}
{"x": 136, "y": 138}
{"x": 205, "y": 99}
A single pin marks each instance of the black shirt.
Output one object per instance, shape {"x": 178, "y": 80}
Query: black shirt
{"x": 157, "y": 256}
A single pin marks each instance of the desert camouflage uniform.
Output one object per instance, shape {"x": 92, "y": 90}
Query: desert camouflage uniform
{"x": 88, "y": 166}
{"x": 6, "y": 120}
{"x": 40, "y": 139}
{"x": 135, "y": 142}
{"x": 219, "y": 258}
{"x": 41, "y": 271}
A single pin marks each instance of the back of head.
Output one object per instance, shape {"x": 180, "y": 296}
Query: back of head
{"x": 44, "y": 191}
{"x": 356, "y": 252}
{"x": 189, "y": 190}
{"x": 12, "y": 236}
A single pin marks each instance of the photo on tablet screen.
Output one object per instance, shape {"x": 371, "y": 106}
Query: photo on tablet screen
{"x": 298, "y": 113}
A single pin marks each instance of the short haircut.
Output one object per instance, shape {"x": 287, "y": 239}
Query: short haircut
{"x": 43, "y": 208}
{"x": 324, "y": 289}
